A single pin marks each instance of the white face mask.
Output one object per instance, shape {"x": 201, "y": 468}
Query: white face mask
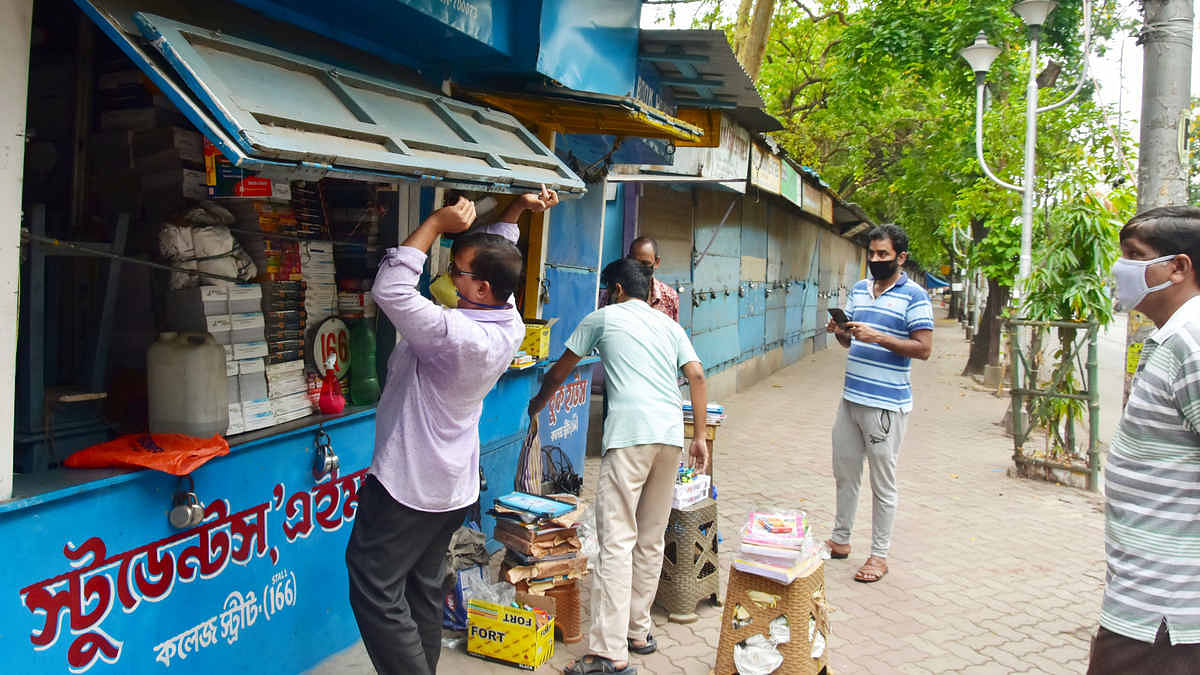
{"x": 1130, "y": 276}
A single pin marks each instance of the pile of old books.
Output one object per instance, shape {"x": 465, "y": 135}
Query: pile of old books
{"x": 542, "y": 541}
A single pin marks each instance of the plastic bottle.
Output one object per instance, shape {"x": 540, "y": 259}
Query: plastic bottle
{"x": 188, "y": 391}
{"x": 364, "y": 378}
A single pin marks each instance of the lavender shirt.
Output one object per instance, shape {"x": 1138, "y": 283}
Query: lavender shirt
{"x": 444, "y": 363}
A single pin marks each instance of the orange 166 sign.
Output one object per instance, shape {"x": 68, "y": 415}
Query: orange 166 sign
{"x": 332, "y": 337}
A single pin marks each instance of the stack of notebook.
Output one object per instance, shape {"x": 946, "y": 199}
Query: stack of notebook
{"x": 542, "y": 541}
{"x": 777, "y": 546}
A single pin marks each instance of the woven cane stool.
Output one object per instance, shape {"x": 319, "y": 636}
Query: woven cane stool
{"x": 566, "y": 612}
{"x": 690, "y": 571}
{"x": 753, "y": 602}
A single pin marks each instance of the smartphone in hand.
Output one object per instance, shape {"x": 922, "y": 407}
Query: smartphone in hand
{"x": 839, "y": 317}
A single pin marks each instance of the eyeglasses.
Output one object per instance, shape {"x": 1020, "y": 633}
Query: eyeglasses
{"x": 456, "y": 272}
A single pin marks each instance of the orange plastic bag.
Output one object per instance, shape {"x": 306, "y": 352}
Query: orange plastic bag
{"x": 170, "y": 453}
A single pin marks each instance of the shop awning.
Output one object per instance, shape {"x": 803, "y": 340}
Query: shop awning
{"x": 575, "y": 112}
{"x": 283, "y": 113}
{"x": 932, "y": 282}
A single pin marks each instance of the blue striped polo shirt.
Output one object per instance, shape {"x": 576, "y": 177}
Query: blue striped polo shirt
{"x": 875, "y": 376}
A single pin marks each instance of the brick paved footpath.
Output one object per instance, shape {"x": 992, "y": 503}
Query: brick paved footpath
{"x": 989, "y": 574}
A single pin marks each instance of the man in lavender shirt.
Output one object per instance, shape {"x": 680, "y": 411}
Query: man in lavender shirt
{"x": 424, "y": 476}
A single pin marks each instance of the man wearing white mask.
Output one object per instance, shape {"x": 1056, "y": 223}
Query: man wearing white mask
{"x": 1150, "y": 617}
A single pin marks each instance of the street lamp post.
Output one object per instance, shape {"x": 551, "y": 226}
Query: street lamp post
{"x": 980, "y": 57}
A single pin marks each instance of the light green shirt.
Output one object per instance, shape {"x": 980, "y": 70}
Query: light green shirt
{"x": 642, "y": 350}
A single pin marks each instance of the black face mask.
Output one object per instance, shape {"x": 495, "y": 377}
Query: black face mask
{"x": 882, "y": 269}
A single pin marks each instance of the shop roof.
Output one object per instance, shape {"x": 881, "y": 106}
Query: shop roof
{"x": 295, "y": 109}
{"x": 578, "y": 112}
{"x": 701, "y": 71}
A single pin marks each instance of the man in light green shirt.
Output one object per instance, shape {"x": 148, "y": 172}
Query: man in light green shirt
{"x": 642, "y": 351}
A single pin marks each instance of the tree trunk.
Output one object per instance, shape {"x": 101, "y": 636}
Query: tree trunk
{"x": 755, "y": 45}
{"x": 741, "y": 27}
{"x": 985, "y": 348}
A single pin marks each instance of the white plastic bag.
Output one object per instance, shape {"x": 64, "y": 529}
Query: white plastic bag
{"x": 756, "y": 655}
{"x": 589, "y": 545}
{"x": 176, "y": 245}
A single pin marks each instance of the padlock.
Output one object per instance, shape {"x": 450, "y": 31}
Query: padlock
{"x": 325, "y": 462}
{"x": 186, "y": 509}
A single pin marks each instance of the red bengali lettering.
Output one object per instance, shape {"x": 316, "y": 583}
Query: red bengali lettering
{"x": 300, "y": 504}
{"x": 211, "y": 552}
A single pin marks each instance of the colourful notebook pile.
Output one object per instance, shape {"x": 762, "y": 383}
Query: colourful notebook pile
{"x": 778, "y": 546}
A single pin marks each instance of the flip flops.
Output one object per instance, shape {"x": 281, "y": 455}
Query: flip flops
{"x": 596, "y": 665}
{"x": 650, "y": 647}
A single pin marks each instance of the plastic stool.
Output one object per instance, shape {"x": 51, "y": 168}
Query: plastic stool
{"x": 566, "y": 612}
{"x": 690, "y": 570}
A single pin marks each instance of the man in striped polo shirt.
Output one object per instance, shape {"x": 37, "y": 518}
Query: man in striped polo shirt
{"x": 1150, "y": 617}
{"x": 891, "y": 323}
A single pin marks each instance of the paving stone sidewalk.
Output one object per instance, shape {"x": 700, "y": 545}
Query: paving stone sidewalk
{"x": 989, "y": 574}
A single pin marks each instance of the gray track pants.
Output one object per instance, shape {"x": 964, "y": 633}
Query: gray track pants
{"x": 874, "y": 434}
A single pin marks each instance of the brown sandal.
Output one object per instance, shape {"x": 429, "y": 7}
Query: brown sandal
{"x": 834, "y": 552}
{"x": 874, "y": 569}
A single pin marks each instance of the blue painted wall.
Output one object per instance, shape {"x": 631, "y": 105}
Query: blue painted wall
{"x": 572, "y": 263}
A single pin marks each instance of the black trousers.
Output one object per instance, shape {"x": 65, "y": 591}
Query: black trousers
{"x": 395, "y": 559}
{"x": 1116, "y": 654}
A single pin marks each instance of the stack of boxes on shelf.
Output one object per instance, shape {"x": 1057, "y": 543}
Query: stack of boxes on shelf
{"x": 283, "y": 294}
{"x": 318, "y": 271}
{"x": 142, "y": 141}
{"x": 233, "y": 315}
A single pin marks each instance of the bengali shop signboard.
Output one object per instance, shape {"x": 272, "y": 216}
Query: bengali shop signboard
{"x": 564, "y": 421}
{"x": 765, "y": 169}
{"x": 104, "y": 585}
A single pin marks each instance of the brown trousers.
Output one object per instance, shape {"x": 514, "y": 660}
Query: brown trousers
{"x": 1119, "y": 655}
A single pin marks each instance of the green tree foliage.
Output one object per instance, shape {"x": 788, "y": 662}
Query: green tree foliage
{"x": 875, "y": 97}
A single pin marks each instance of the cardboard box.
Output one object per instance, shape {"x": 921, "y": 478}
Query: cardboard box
{"x": 232, "y": 384}
{"x": 252, "y": 380}
{"x": 250, "y": 350}
{"x": 258, "y": 415}
{"x": 244, "y": 298}
{"x": 219, "y": 326}
{"x": 187, "y": 306}
{"x": 185, "y": 144}
{"x": 511, "y": 635}
{"x": 247, "y": 327}
{"x": 223, "y": 179}
{"x": 687, "y": 494}
{"x": 188, "y": 183}
{"x": 236, "y": 424}
{"x": 139, "y": 119}
{"x": 537, "y": 338}
{"x": 288, "y": 406}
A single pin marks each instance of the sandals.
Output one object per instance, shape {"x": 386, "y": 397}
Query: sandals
{"x": 872, "y": 570}
{"x": 833, "y": 552}
{"x": 592, "y": 665}
{"x": 650, "y": 647}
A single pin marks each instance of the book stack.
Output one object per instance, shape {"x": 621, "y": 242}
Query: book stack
{"x": 778, "y": 546}
{"x": 542, "y": 541}
{"x": 145, "y": 154}
{"x": 714, "y": 417}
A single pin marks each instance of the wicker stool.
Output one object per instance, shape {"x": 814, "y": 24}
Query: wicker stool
{"x": 566, "y": 612}
{"x": 690, "y": 571}
{"x": 758, "y": 601}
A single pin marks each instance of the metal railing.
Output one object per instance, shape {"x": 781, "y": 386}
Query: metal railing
{"x": 1056, "y": 406}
